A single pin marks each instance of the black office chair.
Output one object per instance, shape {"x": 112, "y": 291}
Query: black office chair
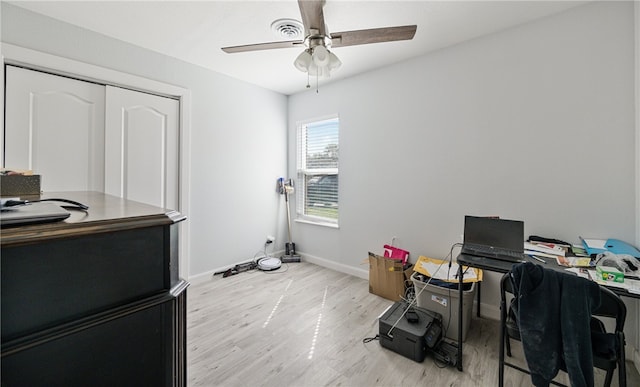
{"x": 610, "y": 306}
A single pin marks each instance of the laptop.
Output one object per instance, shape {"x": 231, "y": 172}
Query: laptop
{"x": 494, "y": 238}
{"x": 39, "y": 212}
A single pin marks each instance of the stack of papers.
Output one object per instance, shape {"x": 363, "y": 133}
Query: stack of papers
{"x": 574, "y": 261}
{"x": 551, "y": 250}
{"x": 445, "y": 270}
{"x": 548, "y": 250}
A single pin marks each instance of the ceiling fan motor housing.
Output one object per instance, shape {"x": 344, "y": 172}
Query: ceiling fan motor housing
{"x": 315, "y": 39}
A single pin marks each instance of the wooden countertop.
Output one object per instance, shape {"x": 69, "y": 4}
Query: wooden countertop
{"x": 106, "y": 213}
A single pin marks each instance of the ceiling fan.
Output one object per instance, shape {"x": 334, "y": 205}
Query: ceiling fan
{"x": 316, "y": 59}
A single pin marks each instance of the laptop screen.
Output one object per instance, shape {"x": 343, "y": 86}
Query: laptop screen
{"x": 502, "y": 233}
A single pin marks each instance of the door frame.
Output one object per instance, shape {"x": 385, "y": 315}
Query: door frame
{"x": 36, "y": 60}
{"x": 636, "y": 6}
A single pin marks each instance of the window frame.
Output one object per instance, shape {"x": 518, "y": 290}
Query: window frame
{"x": 304, "y": 173}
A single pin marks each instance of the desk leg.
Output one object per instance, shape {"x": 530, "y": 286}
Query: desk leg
{"x": 460, "y": 289}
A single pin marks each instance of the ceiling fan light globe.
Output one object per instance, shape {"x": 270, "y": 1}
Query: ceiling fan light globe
{"x": 303, "y": 61}
{"x": 313, "y": 70}
{"x": 334, "y": 62}
{"x": 325, "y": 72}
{"x": 320, "y": 72}
{"x": 320, "y": 56}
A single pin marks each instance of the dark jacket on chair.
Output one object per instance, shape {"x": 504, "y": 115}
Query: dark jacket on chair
{"x": 553, "y": 311}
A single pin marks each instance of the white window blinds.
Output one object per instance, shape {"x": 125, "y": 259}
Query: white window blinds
{"x": 317, "y": 163}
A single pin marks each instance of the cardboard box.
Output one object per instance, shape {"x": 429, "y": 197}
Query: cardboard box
{"x": 387, "y": 277}
{"x": 19, "y": 185}
{"x": 607, "y": 273}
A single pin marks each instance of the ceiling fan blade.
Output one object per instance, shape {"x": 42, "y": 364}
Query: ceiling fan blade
{"x": 312, "y": 16}
{"x": 374, "y": 35}
{"x": 263, "y": 46}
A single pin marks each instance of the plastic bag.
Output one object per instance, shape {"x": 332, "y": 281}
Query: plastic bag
{"x": 626, "y": 263}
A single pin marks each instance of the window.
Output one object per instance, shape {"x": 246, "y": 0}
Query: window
{"x": 317, "y": 164}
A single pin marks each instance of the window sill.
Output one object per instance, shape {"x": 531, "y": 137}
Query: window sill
{"x": 318, "y": 223}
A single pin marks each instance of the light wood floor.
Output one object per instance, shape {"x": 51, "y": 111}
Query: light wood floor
{"x": 304, "y": 325}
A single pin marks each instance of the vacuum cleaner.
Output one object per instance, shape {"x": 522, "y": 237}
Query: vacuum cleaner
{"x": 268, "y": 263}
{"x": 286, "y": 188}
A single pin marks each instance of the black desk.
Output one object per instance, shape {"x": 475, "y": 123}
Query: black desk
{"x": 495, "y": 265}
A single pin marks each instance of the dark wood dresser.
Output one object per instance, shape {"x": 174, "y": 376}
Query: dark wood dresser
{"x": 95, "y": 300}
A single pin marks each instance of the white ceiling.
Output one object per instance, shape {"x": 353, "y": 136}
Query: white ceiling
{"x": 194, "y": 31}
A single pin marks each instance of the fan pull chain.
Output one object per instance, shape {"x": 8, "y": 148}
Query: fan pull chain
{"x": 308, "y": 85}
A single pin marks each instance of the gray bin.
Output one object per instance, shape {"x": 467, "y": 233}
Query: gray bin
{"x": 446, "y": 302}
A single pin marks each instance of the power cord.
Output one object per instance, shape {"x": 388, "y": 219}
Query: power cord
{"x": 257, "y": 259}
{"x": 71, "y": 204}
{"x": 252, "y": 266}
{"x": 450, "y": 257}
{"x": 411, "y": 303}
{"x": 370, "y": 339}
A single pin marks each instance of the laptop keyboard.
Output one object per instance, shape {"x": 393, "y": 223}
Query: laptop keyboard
{"x": 488, "y": 251}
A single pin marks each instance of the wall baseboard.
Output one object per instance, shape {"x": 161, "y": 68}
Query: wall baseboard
{"x": 487, "y": 311}
{"x": 204, "y": 277}
{"x": 356, "y": 272}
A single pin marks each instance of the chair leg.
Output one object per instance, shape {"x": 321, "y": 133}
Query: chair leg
{"x": 608, "y": 378}
{"x": 622, "y": 375}
{"x": 503, "y": 334}
{"x": 508, "y": 343}
{"x": 621, "y": 365}
{"x": 622, "y": 372}
{"x": 501, "y": 359}
{"x": 622, "y": 368}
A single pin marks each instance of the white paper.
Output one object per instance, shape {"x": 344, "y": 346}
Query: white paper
{"x": 634, "y": 285}
{"x": 580, "y": 272}
{"x": 443, "y": 272}
{"x": 557, "y": 250}
{"x": 595, "y": 243}
{"x": 538, "y": 253}
{"x": 613, "y": 284}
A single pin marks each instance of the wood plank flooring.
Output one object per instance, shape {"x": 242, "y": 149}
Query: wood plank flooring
{"x": 304, "y": 325}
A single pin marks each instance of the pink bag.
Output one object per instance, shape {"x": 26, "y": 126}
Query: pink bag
{"x": 396, "y": 253}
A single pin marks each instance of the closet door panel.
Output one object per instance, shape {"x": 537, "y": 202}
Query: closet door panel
{"x": 55, "y": 127}
{"x": 141, "y": 147}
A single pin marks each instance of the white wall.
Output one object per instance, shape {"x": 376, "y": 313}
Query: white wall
{"x": 533, "y": 123}
{"x": 235, "y": 157}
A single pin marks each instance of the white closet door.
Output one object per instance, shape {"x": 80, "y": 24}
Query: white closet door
{"x": 141, "y": 147}
{"x": 55, "y": 127}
